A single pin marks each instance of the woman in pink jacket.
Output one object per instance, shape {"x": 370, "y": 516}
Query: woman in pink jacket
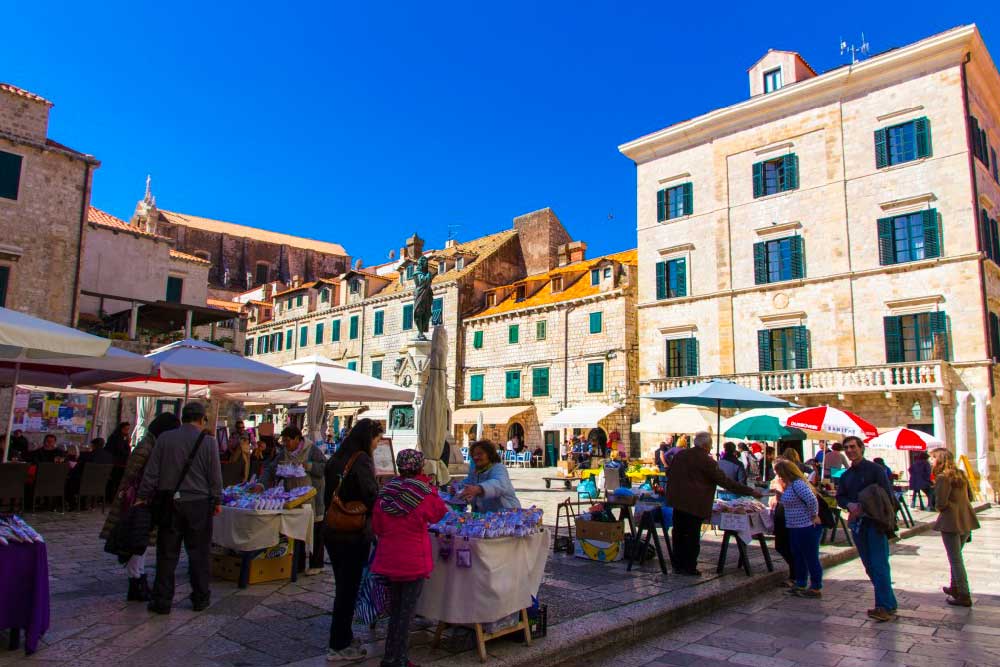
{"x": 405, "y": 507}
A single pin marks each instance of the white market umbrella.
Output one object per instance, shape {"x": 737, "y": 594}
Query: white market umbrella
{"x": 339, "y": 383}
{"x": 312, "y": 427}
{"x": 905, "y": 439}
{"x": 23, "y": 338}
{"x": 434, "y": 419}
{"x": 779, "y": 413}
{"x": 831, "y": 420}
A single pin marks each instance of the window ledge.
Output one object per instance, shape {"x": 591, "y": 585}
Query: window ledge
{"x": 775, "y": 195}
{"x": 679, "y": 331}
{"x": 672, "y": 220}
{"x": 676, "y": 177}
{"x": 782, "y": 320}
{"x": 783, "y": 228}
{"x": 903, "y": 165}
{"x": 676, "y": 250}
{"x": 897, "y": 114}
{"x": 914, "y": 305}
{"x": 905, "y": 202}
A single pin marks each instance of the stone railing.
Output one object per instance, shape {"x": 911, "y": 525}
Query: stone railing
{"x": 927, "y": 375}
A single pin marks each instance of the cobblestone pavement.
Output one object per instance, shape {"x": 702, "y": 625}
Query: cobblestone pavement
{"x": 285, "y": 623}
{"x": 776, "y": 630}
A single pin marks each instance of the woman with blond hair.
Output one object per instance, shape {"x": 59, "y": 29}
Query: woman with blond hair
{"x": 792, "y": 454}
{"x": 956, "y": 521}
{"x": 804, "y": 528}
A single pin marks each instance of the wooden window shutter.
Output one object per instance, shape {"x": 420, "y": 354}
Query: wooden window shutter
{"x": 790, "y": 181}
{"x": 765, "y": 361}
{"x": 802, "y": 347}
{"x": 798, "y": 257}
{"x": 680, "y": 269}
{"x": 932, "y": 237}
{"x": 923, "y": 132}
{"x": 759, "y": 263}
{"x": 661, "y": 280}
{"x": 477, "y": 339}
{"x": 984, "y": 233}
{"x": 893, "y": 329}
{"x": 994, "y": 241}
{"x": 691, "y": 355}
{"x": 661, "y": 205}
{"x": 881, "y": 149}
{"x": 994, "y": 336}
{"x": 758, "y": 179}
{"x": 939, "y": 333}
{"x": 688, "y": 191}
{"x": 886, "y": 247}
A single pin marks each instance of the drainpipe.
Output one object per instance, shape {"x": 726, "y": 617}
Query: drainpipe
{"x": 84, "y": 204}
{"x": 569, "y": 310}
{"x": 975, "y": 213}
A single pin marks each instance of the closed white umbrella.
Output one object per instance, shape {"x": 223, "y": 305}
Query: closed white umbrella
{"x": 479, "y": 426}
{"x": 434, "y": 419}
{"x": 312, "y": 427}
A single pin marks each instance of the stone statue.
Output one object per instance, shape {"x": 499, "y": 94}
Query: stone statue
{"x": 423, "y": 298}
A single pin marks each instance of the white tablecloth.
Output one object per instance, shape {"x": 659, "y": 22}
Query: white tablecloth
{"x": 747, "y": 526}
{"x": 505, "y": 573}
{"x": 247, "y": 530}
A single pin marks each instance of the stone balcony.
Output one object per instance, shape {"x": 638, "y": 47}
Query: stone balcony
{"x": 917, "y": 376}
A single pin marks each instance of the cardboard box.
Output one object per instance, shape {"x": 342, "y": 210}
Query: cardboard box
{"x": 602, "y": 531}
{"x": 602, "y": 552}
{"x": 272, "y": 565}
{"x": 566, "y": 468}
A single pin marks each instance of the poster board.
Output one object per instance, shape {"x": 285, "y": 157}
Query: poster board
{"x": 384, "y": 458}
{"x": 53, "y": 412}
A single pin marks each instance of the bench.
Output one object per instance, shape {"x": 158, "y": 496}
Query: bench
{"x": 567, "y": 482}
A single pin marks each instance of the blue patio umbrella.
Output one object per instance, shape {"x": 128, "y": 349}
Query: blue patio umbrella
{"x": 719, "y": 394}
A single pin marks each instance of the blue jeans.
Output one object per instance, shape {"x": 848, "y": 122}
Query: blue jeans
{"x": 873, "y": 548}
{"x": 804, "y": 543}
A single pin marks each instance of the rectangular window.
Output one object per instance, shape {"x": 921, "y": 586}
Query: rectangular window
{"x": 918, "y": 337}
{"x": 776, "y": 175}
{"x": 437, "y": 311}
{"x": 335, "y": 331}
{"x": 540, "y": 330}
{"x": 409, "y": 271}
{"x": 261, "y": 274}
{"x": 379, "y": 325}
{"x": 910, "y": 237}
{"x": 303, "y": 336}
{"x": 674, "y": 202}
{"x": 4, "y": 281}
{"x": 596, "y": 322}
{"x": 353, "y": 328}
{"x": 407, "y": 317}
{"x": 995, "y": 167}
{"x": 540, "y": 382}
{"x": 476, "y": 388}
{"x": 671, "y": 278}
{"x": 595, "y": 378}
{"x": 319, "y": 333}
{"x": 377, "y": 369}
{"x": 902, "y": 143}
{"x": 248, "y": 347}
{"x": 980, "y": 144}
{"x": 175, "y": 288}
{"x": 324, "y": 296}
{"x": 595, "y": 277}
{"x": 477, "y": 339}
{"x": 352, "y": 365}
{"x": 777, "y": 260}
{"x": 298, "y": 301}
{"x": 772, "y": 80}
{"x": 513, "y": 384}
{"x": 289, "y": 338}
{"x": 354, "y": 286}
{"x": 783, "y": 349}
{"x": 994, "y": 336}
{"x": 260, "y": 345}
{"x": 682, "y": 357}
{"x": 513, "y": 334}
{"x": 279, "y": 341}
{"x": 289, "y": 303}
{"x": 459, "y": 263}
{"x": 10, "y": 175}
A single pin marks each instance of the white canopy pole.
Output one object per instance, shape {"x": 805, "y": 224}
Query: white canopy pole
{"x": 10, "y": 417}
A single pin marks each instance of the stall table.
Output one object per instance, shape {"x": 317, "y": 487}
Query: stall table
{"x": 504, "y": 575}
{"x": 744, "y": 528}
{"x": 249, "y": 532}
{"x": 24, "y": 593}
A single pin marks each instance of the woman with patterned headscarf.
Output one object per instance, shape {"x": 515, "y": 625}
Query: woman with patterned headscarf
{"x": 406, "y": 505}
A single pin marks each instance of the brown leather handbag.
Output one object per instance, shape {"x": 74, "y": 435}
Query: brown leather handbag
{"x": 346, "y": 517}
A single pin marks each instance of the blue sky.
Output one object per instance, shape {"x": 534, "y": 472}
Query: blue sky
{"x": 364, "y": 122}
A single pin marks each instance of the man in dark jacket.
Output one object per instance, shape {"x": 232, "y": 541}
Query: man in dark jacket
{"x": 197, "y": 499}
{"x": 691, "y": 481}
{"x": 871, "y": 542}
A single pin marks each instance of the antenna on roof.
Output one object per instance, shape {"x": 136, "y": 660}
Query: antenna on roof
{"x": 862, "y": 50}
{"x": 451, "y": 230}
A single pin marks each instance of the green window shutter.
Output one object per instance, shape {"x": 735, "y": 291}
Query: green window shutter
{"x": 691, "y": 355}
{"x": 680, "y": 269}
{"x": 801, "y": 336}
{"x": 994, "y": 241}
{"x": 798, "y": 257}
{"x": 661, "y": 280}
{"x": 260, "y": 345}
{"x": 303, "y": 336}
{"x": 595, "y": 323}
{"x": 377, "y": 369}
{"x": 10, "y": 174}
{"x": 932, "y": 237}
{"x": 765, "y": 361}
{"x": 476, "y": 388}
{"x": 353, "y": 327}
{"x": 881, "y": 149}
{"x": 298, "y": 300}
{"x": 759, "y": 263}
{"x": 289, "y": 338}
{"x": 540, "y": 382}
{"x": 437, "y": 311}
{"x": 541, "y": 330}
{"x": 352, "y": 365}
{"x": 4, "y": 281}
{"x": 595, "y": 378}
{"x": 513, "y": 384}
{"x": 984, "y": 233}
{"x": 688, "y": 198}
{"x": 379, "y": 322}
{"x": 477, "y": 339}
{"x": 758, "y": 179}
{"x": 335, "y": 331}
{"x": 886, "y": 247}
{"x": 248, "y": 347}
{"x": 407, "y": 317}
{"x": 922, "y": 126}
{"x": 893, "y": 327}
{"x": 994, "y": 336}
{"x": 513, "y": 334}
{"x": 790, "y": 181}
{"x": 939, "y": 331}
{"x": 319, "y": 333}
{"x": 661, "y": 205}
{"x": 175, "y": 288}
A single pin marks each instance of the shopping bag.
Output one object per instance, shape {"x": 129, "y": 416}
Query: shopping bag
{"x": 373, "y": 599}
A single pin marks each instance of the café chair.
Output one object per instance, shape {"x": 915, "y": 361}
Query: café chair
{"x": 94, "y": 484}
{"x": 12, "y": 479}
{"x": 50, "y": 482}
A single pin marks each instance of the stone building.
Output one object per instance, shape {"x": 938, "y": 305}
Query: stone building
{"x": 553, "y": 354}
{"x": 833, "y": 239}
{"x": 241, "y": 258}
{"x": 44, "y": 198}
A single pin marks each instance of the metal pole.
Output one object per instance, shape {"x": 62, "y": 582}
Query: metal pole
{"x": 187, "y": 388}
{"x": 97, "y": 412}
{"x": 10, "y": 417}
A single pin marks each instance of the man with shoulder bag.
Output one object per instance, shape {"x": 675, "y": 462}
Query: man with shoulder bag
{"x": 182, "y": 486}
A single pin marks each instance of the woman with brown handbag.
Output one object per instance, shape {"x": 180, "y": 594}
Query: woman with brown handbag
{"x": 350, "y": 479}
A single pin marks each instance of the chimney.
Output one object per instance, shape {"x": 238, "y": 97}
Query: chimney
{"x": 267, "y": 291}
{"x": 562, "y": 255}
{"x": 26, "y": 113}
{"x": 357, "y": 264}
{"x": 450, "y": 243}
{"x": 540, "y": 234}
{"x": 414, "y": 246}
{"x": 296, "y": 281}
{"x": 577, "y": 251}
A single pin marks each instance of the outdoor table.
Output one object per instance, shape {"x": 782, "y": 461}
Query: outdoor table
{"x": 744, "y": 528}
{"x": 24, "y": 593}
{"x": 504, "y": 575}
{"x": 647, "y": 527}
{"x": 624, "y": 504}
{"x": 250, "y": 532}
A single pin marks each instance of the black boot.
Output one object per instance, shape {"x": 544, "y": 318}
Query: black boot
{"x": 138, "y": 589}
{"x": 133, "y": 590}
{"x": 144, "y": 593}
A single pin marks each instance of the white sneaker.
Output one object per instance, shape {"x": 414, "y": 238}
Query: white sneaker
{"x": 347, "y": 655}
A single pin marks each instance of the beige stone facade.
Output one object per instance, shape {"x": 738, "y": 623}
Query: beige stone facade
{"x": 851, "y": 287}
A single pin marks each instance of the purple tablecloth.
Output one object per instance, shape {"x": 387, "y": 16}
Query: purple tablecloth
{"x": 24, "y": 591}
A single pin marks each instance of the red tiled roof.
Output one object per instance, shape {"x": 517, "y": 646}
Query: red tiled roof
{"x": 96, "y": 216}
{"x": 21, "y": 92}
{"x": 184, "y": 257}
{"x": 222, "y": 304}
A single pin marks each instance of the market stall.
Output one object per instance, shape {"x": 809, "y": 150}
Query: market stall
{"x": 24, "y": 582}
{"x": 743, "y": 520}
{"x": 487, "y": 569}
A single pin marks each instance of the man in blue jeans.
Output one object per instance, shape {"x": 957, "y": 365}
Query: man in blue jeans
{"x": 872, "y": 544}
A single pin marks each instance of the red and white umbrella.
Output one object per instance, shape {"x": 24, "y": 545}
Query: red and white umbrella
{"x": 831, "y": 420}
{"x": 905, "y": 439}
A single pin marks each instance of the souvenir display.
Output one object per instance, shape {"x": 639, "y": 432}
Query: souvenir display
{"x": 739, "y": 506}
{"x": 251, "y": 496}
{"x": 508, "y": 523}
{"x": 15, "y": 529}
{"x": 290, "y": 470}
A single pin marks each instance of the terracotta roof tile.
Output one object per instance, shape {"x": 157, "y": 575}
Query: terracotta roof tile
{"x": 184, "y": 257}
{"x": 96, "y": 216}
{"x": 21, "y": 92}
{"x": 233, "y": 229}
{"x": 295, "y": 289}
{"x": 222, "y": 304}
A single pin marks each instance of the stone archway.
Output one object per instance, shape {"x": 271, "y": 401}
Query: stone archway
{"x": 599, "y": 439}
{"x": 516, "y": 429}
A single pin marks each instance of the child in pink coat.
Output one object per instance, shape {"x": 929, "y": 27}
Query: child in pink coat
{"x": 406, "y": 505}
